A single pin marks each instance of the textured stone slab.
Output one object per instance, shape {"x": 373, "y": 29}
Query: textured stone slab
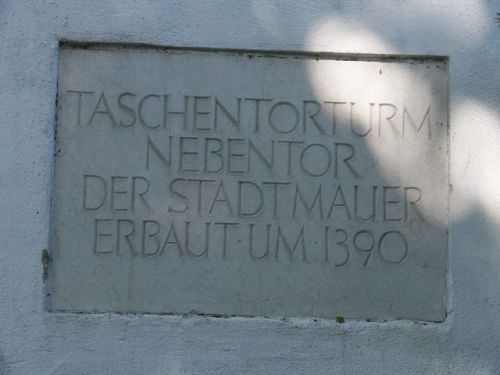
{"x": 247, "y": 183}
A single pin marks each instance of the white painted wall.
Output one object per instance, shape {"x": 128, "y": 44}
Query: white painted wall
{"x": 34, "y": 341}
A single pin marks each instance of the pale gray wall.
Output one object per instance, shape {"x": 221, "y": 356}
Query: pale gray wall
{"x": 33, "y": 341}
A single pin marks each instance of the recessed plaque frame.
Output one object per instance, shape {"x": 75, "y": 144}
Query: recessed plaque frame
{"x": 247, "y": 183}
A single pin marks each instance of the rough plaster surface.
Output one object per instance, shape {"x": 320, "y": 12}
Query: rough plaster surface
{"x": 34, "y": 341}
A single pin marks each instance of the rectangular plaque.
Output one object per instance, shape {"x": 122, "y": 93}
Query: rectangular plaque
{"x": 250, "y": 183}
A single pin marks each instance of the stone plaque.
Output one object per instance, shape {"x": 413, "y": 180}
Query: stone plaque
{"x": 250, "y": 183}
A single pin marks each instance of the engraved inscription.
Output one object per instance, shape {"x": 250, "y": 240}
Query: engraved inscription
{"x": 246, "y": 190}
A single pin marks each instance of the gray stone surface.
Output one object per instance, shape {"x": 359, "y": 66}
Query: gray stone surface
{"x": 250, "y": 184}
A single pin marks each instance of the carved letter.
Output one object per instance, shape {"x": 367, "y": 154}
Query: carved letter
{"x": 178, "y": 195}
{"x": 198, "y": 113}
{"x": 97, "y": 195}
{"x": 388, "y": 118}
{"x": 98, "y": 234}
{"x": 175, "y": 241}
{"x": 250, "y": 242}
{"x": 412, "y": 122}
{"x": 369, "y": 121}
{"x": 115, "y": 194}
{"x": 79, "y": 109}
{"x": 345, "y": 159}
{"x": 224, "y": 237}
{"x": 151, "y": 145}
{"x": 413, "y": 202}
{"x": 166, "y": 112}
{"x": 225, "y": 199}
{"x": 141, "y": 194}
{"x": 386, "y": 202}
{"x": 269, "y": 163}
{"x": 141, "y": 117}
{"x": 128, "y": 110}
{"x": 207, "y": 240}
{"x": 312, "y": 116}
{"x": 257, "y": 114}
{"x": 322, "y": 171}
{"x": 153, "y": 235}
{"x": 284, "y": 118}
{"x": 276, "y": 195}
{"x": 200, "y": 191}
{"x": 343, "y": 203}
{"x": 289, "y": 160}
{"x": 234, "y": 120}
{"x": 125, "y": 235}
{"x": 106, "y": 111}
{"x": 371, "y": 216}
{"x": 288, "y": 249}
{"x": 193, "y": 154}
{"x": 231, "y": 155}
{"x": 216, "y": 152}
{"x": 317, "y": 198}
{"x": 257, "y": 207}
